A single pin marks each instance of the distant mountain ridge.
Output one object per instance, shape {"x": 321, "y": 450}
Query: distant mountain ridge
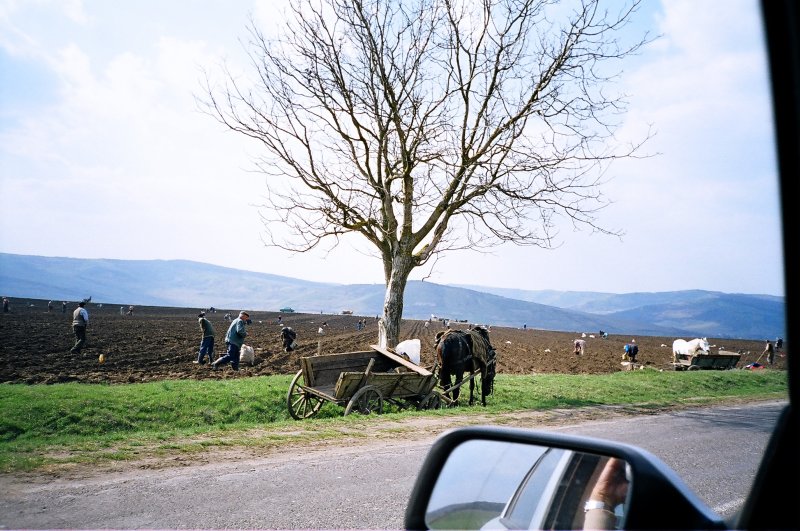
{"x": 703, "y": 312}
{"x": 184, "y": 283}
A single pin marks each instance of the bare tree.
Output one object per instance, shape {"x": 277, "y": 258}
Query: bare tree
{"x": 431, "y": 125}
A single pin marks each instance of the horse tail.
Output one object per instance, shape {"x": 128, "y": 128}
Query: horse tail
{"x": 453, "y": 353}
{"x": 444, "y": 345}
{"x": 438, "y": 345}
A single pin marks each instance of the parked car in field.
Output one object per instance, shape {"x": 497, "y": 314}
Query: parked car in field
{"x": 286, "y": 310}
{"x": 523, "y": 479}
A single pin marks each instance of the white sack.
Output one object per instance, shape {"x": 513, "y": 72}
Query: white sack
{"x": 247, "y": 355}
{"x": 411, "y": 348}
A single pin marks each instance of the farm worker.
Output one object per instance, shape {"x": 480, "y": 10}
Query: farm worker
{"x": 207, "y": 343}
{"x": 579, "y": 346}
{"x": 288, "y": 336}
{"x": 234, "y": 339}
{"x": 80, "y": 320}
{"x": 5, "y": 304}
{"x": 770, "y": 352}
{"x": 631, "y": 350}
{"x": 64, "y": 307}
{"x": 49, "y": 306}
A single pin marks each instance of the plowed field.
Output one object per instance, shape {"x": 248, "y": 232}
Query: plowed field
{"x": 159, "y": 343}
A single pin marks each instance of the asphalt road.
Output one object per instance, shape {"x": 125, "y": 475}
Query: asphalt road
{"x": 715, "y": 450}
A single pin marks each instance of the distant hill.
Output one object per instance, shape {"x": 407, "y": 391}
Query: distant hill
{"x": 185, "y": 283}
{"x": 703, "y": 312}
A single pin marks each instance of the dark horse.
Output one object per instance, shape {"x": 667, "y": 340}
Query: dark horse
{"x": 458, "y": 352}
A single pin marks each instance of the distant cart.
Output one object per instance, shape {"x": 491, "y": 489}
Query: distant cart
{"x": 694, "y": 362}
{"x": 360, "y": 382}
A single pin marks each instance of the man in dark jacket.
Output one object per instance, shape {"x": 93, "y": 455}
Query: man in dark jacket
{"x": 207, "y": 343}
{"x": 80, "y": 320}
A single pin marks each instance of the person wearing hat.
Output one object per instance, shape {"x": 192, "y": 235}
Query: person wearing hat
{"x": 234, "y": 339}
{"x": 80, "y": 320}
{"x": 207, "y": 343}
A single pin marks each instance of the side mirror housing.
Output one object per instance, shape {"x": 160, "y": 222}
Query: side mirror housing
{"x": 506, "y": 478}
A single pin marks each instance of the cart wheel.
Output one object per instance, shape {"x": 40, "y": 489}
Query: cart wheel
{"x": 693, "y": 368}
{"x": 367, "y": 400}
{"x": 432, "y": 401}
{"x": 301, "y": 404}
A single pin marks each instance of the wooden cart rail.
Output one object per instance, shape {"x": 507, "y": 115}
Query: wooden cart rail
{"x": 391, "y": 385}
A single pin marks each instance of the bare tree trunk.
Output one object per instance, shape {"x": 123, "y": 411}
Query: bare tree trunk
{"x": 389, "y": 326}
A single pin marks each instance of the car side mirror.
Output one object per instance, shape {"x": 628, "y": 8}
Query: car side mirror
{"x": 502, "y": 478}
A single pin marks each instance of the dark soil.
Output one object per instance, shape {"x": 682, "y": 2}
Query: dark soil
{"x": 159, "y": 343}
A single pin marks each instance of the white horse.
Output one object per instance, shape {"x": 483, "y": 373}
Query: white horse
{"x": 680, "y": 346}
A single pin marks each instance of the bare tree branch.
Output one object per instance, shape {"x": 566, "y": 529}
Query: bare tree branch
{"x": 433, "y": 125}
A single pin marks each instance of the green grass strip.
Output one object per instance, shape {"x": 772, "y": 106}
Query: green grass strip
{"x": 71, "y": 422}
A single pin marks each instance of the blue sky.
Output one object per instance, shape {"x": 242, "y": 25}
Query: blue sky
{"x": 103, "y": 154}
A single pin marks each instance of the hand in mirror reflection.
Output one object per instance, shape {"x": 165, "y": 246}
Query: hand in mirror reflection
{"x": 608, "y": 492}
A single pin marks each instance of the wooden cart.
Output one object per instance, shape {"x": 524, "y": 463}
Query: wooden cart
{"x": 360, "y": 382}
{"x": 693, "y": 362}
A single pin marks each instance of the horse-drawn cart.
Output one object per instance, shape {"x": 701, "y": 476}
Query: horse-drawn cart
{"x": 693, "y": 362}
{"x": 360, "y": 382}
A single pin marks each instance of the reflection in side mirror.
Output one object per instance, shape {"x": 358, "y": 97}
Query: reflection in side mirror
{"x": 495, "y": 477}
{"x": 489, "y": 484}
